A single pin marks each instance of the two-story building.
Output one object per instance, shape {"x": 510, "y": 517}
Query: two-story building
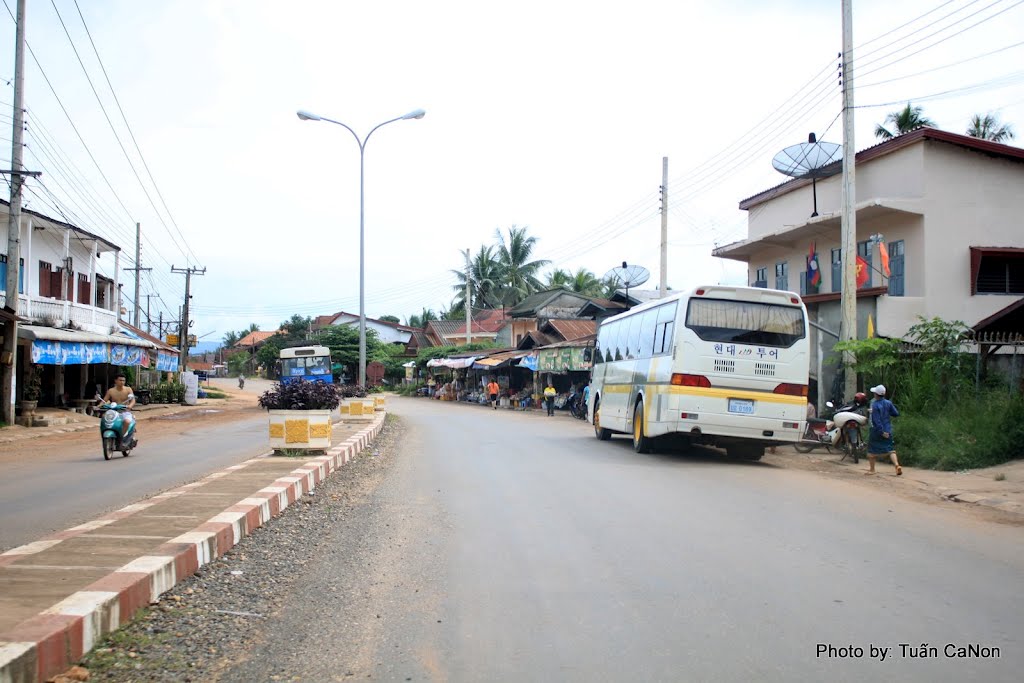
{"x": 71, "y": 331}
{"x": 948, "y": 208}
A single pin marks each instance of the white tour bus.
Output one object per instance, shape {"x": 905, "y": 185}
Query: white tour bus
{"x": 720, "y": 365}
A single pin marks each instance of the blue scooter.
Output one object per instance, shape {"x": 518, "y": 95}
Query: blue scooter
{"x": 111, "y": 431}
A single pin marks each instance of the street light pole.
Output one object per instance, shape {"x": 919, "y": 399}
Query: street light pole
{"x": 308, "y": 116}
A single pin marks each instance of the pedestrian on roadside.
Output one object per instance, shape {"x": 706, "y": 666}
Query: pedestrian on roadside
{"x": 586, "y": 396}
{"x": 880, "y": 440}
{"x": 492, "y": 391}
{"x": 549, "y": 398}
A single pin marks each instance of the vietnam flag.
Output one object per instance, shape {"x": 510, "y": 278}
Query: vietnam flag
{"x": 883, "y": 256}
{"x": 862, "y": 272}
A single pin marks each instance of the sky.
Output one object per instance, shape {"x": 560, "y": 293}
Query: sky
{"x": 553, "y": 116}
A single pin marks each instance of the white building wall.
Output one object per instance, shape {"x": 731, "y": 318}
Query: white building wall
{"x": 385, "y": 333}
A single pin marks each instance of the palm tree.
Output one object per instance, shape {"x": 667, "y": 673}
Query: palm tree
{"x": 559, "y": 278}
{"x": 904, "y": 121}
{"x": 518, "y": 272}
{"x": 484, "y": 280}
{"x": 422, "y": 319}
{"x": 586, "y": 283}
{"x": 230, "y": 339}
{"x": 988, "y": 127}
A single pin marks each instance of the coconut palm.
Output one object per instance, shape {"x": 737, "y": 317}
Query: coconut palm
{"x": 988, "y": 127}
{"x": 903, "y": 121}
{"x": 484, "y": 281}
{"x": 421, "y": 319}
{"x": 230, "y": 339}
{"x": 559, "y": 278}
{"x": 586, "y": 283}
{"x": 518, "y": 272}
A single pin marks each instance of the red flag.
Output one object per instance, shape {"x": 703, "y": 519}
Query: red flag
{"x": 862, "y": 272}
{"x": 883, "y": 256}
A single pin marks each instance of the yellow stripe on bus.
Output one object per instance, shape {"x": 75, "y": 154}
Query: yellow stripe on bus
{"x": 711, "y": 393}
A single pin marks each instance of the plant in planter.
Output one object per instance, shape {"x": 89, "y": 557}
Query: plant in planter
{"x": 32, "y": 390}
{"x": 300, "y": 414}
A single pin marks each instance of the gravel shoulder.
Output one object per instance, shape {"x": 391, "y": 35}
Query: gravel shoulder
{"x": 279, "y": 599}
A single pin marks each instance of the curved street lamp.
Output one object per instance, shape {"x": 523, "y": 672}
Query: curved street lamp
{"x": 309, "y": 116}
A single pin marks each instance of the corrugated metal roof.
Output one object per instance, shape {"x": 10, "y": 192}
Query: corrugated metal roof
{"x": 573, "y": 329}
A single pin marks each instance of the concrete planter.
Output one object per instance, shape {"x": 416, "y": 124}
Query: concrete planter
{"x": 357, "y": 408}
{"x": 300, "y": 429}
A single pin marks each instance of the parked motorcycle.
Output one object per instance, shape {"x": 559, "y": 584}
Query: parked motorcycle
{"x": 112, "y": 428}
{"x": 842, "y": 431}
{"x": 577, "y": 408}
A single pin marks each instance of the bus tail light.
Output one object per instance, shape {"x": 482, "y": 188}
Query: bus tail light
{"x": 791, "y": 389}
{"x": 688, "y": 416}
{"x": 681, "y": 380}
{"x": 790, "y": 425}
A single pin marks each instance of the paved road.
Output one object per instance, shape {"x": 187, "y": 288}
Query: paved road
{"x": 506, "y": 546}
{"x": 48, "y": 487}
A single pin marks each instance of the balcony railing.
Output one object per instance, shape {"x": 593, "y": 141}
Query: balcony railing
{"x": 64, "y": 313}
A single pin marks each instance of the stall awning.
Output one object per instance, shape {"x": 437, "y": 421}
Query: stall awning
{"x": 499, "y": 360}
{"x": 453, "y": 363}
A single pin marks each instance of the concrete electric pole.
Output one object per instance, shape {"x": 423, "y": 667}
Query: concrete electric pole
{"x": 8, "y": 359}
{"x": 138, "y": 274}
{"x": 848, "y": 295}
{"x": 183, "y": 333}
{"x": 663, "y": 282}
{"x": 469, "y": 306}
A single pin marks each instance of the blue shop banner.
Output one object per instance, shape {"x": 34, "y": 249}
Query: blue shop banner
{"x": 122, "y": 354}
{"x": 167, "y": 362}
{"x": 45, "y": 352}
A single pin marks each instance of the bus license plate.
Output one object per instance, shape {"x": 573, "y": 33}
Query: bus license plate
{"x": 741, "y": 406}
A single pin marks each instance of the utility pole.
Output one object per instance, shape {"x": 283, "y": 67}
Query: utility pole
{"x": 148, "y": 321}
{"x": 8, "y": 359}
{"x": 848, "y": 329}
{"x": 468, "y": 302}
{"x": 183, "y": 334}
{"x": 138, "y": 272}
{"x": 663, "y": 283}
{"x": 160, "y": 327}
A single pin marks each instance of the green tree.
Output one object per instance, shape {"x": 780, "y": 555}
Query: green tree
{"x": 586, "y": 283}
{"x": 903, "y": 121}
{"x": 421, "y": 319}
{"x": 519, "y": 274}
{"x": 559, "y": 278}
{"x": 238, "y": 362}
{"x": 230, "y": 339}
{"x": 390, "y": 319}
{"x": 988, "y": 127}
{"x": 343, "y": 341}
{"x": 296, "y": 328}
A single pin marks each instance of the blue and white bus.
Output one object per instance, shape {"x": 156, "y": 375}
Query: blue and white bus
{"x": 311, "y": 363}
{"x": 719, "y": 365}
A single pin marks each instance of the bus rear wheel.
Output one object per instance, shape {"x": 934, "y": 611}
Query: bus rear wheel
{"x": 641, "y": 442}
{"x": 600, "y": 432}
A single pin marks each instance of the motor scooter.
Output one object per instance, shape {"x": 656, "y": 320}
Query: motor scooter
{"x": 111, "y": 430}
{"x": 842, "y": 431}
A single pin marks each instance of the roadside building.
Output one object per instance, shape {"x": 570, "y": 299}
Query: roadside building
{"x": 938, "y": 235}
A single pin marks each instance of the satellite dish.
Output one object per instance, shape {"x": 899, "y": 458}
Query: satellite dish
{"x": 811, "y": 159}
{"x": 627, "y": 276}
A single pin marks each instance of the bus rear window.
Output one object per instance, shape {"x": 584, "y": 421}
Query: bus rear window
{"x": 745, "y": 322}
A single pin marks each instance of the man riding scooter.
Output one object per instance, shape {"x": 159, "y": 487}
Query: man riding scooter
{"x": 123, "y": 395}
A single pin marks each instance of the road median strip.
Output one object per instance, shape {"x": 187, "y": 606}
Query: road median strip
{"x": 59, "y": 635}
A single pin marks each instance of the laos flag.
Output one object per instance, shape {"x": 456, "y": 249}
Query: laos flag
{"x": 813, "y": 271}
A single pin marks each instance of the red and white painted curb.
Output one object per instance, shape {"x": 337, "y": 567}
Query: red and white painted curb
{"x": 50, "y": 642}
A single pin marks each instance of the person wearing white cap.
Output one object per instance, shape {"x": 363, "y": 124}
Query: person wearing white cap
{"x": 880, "y": 441}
